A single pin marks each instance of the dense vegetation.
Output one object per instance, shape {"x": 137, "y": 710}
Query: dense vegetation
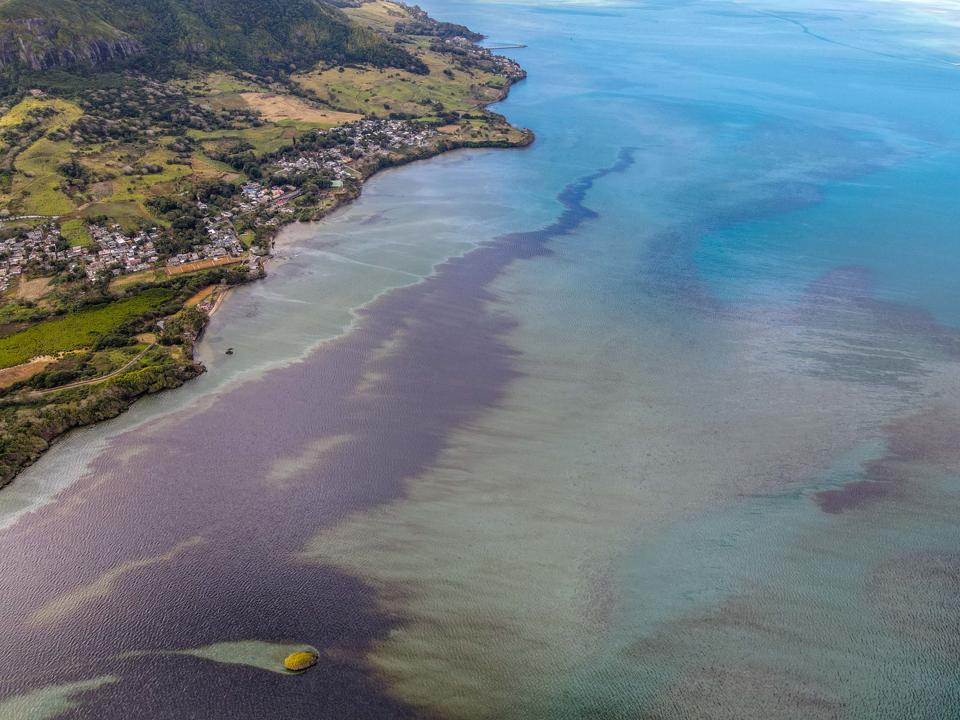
{"x": 100, "y": 341}
{"x": 29, "y": 427}
{"x": 151, "y": 149}
{"x": 422, "y": 24}
{"x": 174, "y": 35}
{"x": 79, "y": 329}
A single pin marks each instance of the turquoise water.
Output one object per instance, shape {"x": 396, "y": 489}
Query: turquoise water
{"x": 711, "y": 468}
{"x": 763, "y": 311}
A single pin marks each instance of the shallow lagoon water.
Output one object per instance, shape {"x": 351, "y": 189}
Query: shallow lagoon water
{"x": 689, "y": 453}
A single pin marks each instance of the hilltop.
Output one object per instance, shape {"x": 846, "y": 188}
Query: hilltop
{"x": 176, "y": 35}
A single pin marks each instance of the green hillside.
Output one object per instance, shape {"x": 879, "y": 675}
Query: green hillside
{"x": 37, "y": 36}
{"x": 150, "y": 151}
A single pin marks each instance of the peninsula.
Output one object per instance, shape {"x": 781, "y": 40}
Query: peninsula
{"x": 151, "y": 149}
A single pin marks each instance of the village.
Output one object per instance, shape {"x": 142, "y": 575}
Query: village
{"x": 326, "y": 158}
{"x": 113, "y": 253}
{"x": 365, "y": 139}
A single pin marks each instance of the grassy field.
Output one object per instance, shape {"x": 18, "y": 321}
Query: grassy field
{"x": 272, "y": 102}
{"x": 280, "y": 108}
{"x": 35, "y": 187}
{"x": 371, "y": 91}
{"x": 37, "y": 184}
{"x": 120, "y": 189}
{"x": 379, "y": 14}
{"x": 220, "y": 91}
{"x": 129, "y": 214}
{"x": 80, "y": 329}
{"x": 66, "y": 112}
{"x": 207, "y": 169}
{"x": 143, "y": 276}
{"x": 268, "y": 138}
{"x": 75, "y": 232}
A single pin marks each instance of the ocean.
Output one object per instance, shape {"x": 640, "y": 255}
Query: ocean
{"x": 657, "y": 418}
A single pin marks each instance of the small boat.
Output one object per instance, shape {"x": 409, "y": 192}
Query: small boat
{"x": 229, "y": 351}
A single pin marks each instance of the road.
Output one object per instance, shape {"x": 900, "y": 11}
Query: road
{"x": 102, "y": 378}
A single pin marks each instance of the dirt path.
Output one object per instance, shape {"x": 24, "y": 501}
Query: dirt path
{"x": 102, "y": 378}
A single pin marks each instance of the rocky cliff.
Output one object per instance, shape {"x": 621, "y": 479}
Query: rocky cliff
{"x": 42, "y": 44}
{"x": 255, "y": 36}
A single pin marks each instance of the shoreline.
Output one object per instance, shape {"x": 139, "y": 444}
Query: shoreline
{"x": 344, "y": 199}
{"x": 171, "y": 380}
{"x": 214, "y": 492}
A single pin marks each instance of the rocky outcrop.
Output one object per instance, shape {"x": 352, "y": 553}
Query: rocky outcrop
{"x": 259, "y": 36}
{"x": 40, "y": 44}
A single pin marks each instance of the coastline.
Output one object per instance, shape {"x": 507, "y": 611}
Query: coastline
{"x": 155, "y": 382}
{"x": 500, "y": 444}
{"x": 526, "y": 138}
{"x": 290, "y": 438}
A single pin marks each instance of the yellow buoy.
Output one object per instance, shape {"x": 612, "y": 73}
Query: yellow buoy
{"x": 299, "y": 661}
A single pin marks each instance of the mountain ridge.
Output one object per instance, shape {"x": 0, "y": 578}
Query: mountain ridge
{"x": 163, "y": 35}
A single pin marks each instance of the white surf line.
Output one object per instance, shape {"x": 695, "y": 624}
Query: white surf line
{"x": 352, "y": 261}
